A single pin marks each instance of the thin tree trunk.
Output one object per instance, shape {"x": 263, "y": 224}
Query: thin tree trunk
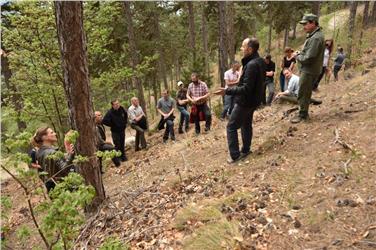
{"x": 373, "y": 15}
{"x": 192, "y": 32}
{"x": 205, "y": 40}
{"x": 365, "y": 15}
{"x": 72, "y": 43}
{"x": 316, "y": 8}
{"x": 230, "y": 31}
{"x": 353, "y": 8}
{"x": 133, "y": 53}
{"x": 286, "y": 37}
{"x": 223, "y": 58}
{"x": 15, "y": 96}
{"x": 270, "y": 36}
{"x": 294, "y": 31}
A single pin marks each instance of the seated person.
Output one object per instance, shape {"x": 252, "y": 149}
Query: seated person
{"x": 138, "y": 122}
{"x": 44, "y": 139}
{"x": 102, "y": 145}
{"x": 291, "y": 93}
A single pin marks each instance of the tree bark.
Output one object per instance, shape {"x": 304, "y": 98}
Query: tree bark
{"x": 353, "y": 8}
{"x": 316, "y": 8}
{"x": 270, "y": 36}
{"x": 192, "y": 32}
{"x": 286, "y": 37}
{"x": 373, "y": 15}
{"x": 15, "y": 97}
{"x": 133, "y": 52}
{"x": 365, "y": 15}
{"x": 230, "y": 31}
{"x": 205, "y": 40}
{"x": 223, "y": 58}
{"x": 72, "y": 43}
{"x": 294, "y": 31}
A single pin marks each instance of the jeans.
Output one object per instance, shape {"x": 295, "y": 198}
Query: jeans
{"x": 202, "y": 108}
{"x": 184, "y": 118}
{"x": 228, "y": 105}
{"x": 270, "y": 85}
{"x": 140, "y": 137}
{"x": 282, "y": 82}
{"x": 241, "y": 117}
{"x": 169, "y": 130}
{"x": 119, "y": 141}
{"x": 316, "y": 83}
{"x": 336, "y": 69}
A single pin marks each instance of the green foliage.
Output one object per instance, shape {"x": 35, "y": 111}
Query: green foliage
{"x": 72, "y": 136}
{"x": 6, "y": 206}
{"x": 56, "y": 156}
{"x": 64, "y": 214}
{"x": 113, "y": 243}
{"x": 23, "y": 234}
{"x": 80, "y": 159}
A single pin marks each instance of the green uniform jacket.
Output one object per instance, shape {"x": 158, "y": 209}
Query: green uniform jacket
{"x": 311, "y": 57}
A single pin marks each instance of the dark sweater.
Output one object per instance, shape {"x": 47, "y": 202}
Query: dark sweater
{"x": 249, "y": 91}
{"x": 116, "y": 119}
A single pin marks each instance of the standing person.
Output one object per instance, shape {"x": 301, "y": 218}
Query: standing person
{"x": 288, "y": 61}
{"x": 269, "y": 80}
{"x": 181, "y": 104}
{"x": 102, "y": 145}
{"x": 248, "y": 96}
{"x": 198, "y": 95}
{"x": 231, "y": 78}
{"x": 138, "y": 122}
{"x": 116, "y": 118}
{"x": 166, "y": 107}
{"x": 310, "y": 59}
{"x": 338, "y": 62}
{"x": 325, "y": 63}
{"x": 45, "y": 139}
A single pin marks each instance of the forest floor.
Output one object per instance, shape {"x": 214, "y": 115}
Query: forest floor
{"x": 306, "y": 186}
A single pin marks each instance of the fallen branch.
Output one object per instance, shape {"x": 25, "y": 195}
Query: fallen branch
{"x": 346, "y": 165}
{"x": 340, "y": 141}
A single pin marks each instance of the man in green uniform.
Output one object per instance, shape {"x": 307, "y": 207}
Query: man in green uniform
{"x": 310, "y": 60}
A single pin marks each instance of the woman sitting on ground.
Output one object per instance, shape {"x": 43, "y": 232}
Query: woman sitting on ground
{"x": 44, "y": 139}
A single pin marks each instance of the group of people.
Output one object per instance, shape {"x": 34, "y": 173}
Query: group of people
{"x": 244, "y": 92}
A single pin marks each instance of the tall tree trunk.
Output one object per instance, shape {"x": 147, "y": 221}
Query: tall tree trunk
{"x": 316, "y": 8}
{"x": 72, "y": 43}
{"x": 205, "y": 40}
{"x": 286, "y": 37}
{"x": 133, "y": 52}
{"x": 161, "y": 60}
{"x": 223, "y": 58}
{"x": 365, "y": 15}
{"x": 270, "y": 35}
{"x": 192, "y": 32}
{"x": 353, "y": 8}
{"x": 15, "y": 96}
{"x": 230, "y": 31}
{"x": 373, "y": 14}
{"x": 294, "y": 31}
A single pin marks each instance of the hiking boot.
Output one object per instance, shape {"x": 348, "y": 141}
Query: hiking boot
{"x": 232, "y": 161}
{"x": 207, "y": 129}
{"x": 244, "y": 155}
{"x": 298, "y": 118}
{"x": 316, "y": 102}
{"x": 180, "y": 131}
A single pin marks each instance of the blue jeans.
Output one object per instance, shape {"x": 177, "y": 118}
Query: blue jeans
{"x": 282, "y": 82}
{"x": 228, "y": 105}
{"x": 169, "y": 130}
{"x": 184, "y": 117}
{"x": 241, "y": 117}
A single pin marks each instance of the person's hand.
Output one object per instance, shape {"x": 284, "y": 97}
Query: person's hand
{"x": 165, "y": 116}
{"x": 295, "y": 54}
{"x": 220, "y": 91}
{"x": 35, "y": 165}
{"x": 69, "y": 148}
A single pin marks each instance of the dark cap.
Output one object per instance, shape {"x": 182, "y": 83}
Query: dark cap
{"x": 309, "y": 17}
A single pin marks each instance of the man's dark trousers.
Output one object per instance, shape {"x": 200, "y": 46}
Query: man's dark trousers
{"x": 169, "y": 130}
{"x": 202, "y": 108}
{"x": 119, "y": 141}
{"x": 305, "y": 92}
{"x": 241, "y": 117}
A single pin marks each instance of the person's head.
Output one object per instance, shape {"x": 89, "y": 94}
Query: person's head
{"x": 288, "y": 51}
{"x": 135, "y": 101}
{"x": 287, "y": 72}
{"x": 340, "y": 49}
{"x": 98, "y": 117}
{"x": 235, "y": 65}
{"x": 115, "y": 104}
{"x": 44, "y": 136}
{"x": 180, "y": 84}
{"x": 310, "y": 22}
{"x": 194, "y": 77}
{"x": 329, "y": 44}
{"x": 268, "y": 58}
{"x": 165, "y": 93}
{"x": 250, "y": 46}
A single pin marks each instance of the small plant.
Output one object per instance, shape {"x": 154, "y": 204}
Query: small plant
{"x": 23, "y": 234}
{"x": 113, "y": 243}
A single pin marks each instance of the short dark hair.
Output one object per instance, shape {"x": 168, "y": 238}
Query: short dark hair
{"x": 340, "y": 49}
{"x": 254, "y": 44}
{"x": 234, "y": 63}
{"x": 195, "y": 74}
{"x": 113, "y": 101}
{"x": 268, "y": 56}
{"x": 316, "y": 22}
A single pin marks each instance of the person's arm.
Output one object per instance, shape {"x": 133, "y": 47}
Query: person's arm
{"x": 107, "y": 119}
{"x": 292, "y": 65}
{"x": 132, "y": 114}
{"x": 189, "y": 96}
{"x": 159, "y": 106}
{"x": 313, "y": 49}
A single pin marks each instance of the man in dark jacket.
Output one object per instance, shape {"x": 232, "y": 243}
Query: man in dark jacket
{"x": 248, "y": 96}
{"x": 310, "y": 61}
{"x": 116, "y": 118}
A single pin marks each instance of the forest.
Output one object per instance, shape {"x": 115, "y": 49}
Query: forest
{"x": 61, "y": 61}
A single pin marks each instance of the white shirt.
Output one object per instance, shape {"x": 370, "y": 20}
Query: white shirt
{"x": 231, "y": 75}
{"x": 133, "y": 112}
{"x": 293, "y": 85}
{"x": 326, "y": 58}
